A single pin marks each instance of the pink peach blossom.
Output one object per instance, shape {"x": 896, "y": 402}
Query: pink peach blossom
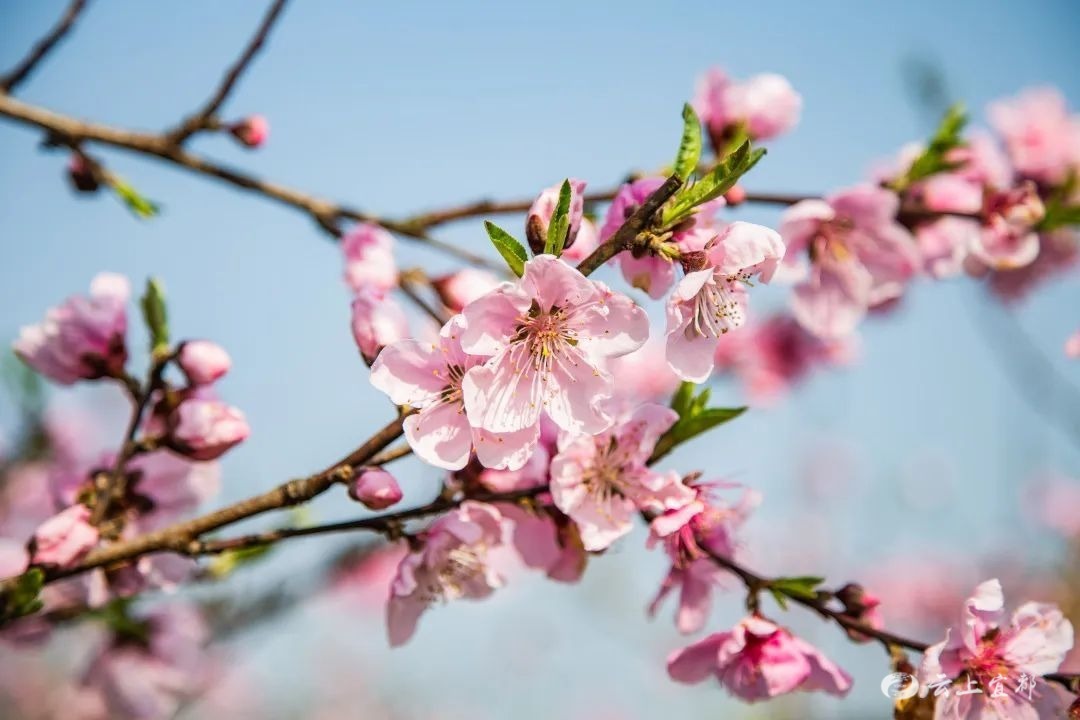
{"x": 981, "y": 648}
{"x": 763, "y": 105}
{"x": 545, "y": 338}
{"x": 165, "y": 487}
{"x": 1008, "y": 239}
{"x": 376, "y": 489}
{"x": 708, "y": 303}
{"x": 369, "y": 258}
{"x": 547, "y": 541}
{"x": 757, "y": 660}
{"x": 82, "y": 339}
{"x": 458, "y": 289}
{"x": 644, "y": 373}
{"x": 588, "y": 239}
{"x": 451, "y": 564}
{"x": 65, "y": 537}
{"x": 429, "y": 377}
{"x": 203, "y": 362}
{"x": 1058, "y": 253}
{"x": 206, "y": 429}
{"x": 1042, "y": 139}
{"x": 13, "y": 558}
{"x": 601, "y": 482}
{"x": 377, "y": 321}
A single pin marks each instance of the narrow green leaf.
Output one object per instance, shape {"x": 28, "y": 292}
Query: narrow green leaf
{"x": 717, "y": 182}
{"x": 22, "y": 599}
{"x": 691, "y": 425}
{"x": 684, "y": 395}
{"x": 155, "y": 315}
{"x": 802, "y": 587}
{"x": 1058, "y": 216}
{"x": 689, "y": 154}
{"x": 139, "y": 206}
{"x": 559, "y": 227}
{"x": 779, "y": 597}
{"x": 511, "y": 250}
{"x": 934, "y": 158}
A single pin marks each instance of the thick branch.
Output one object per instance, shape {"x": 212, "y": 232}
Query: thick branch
{"x": 205, "y": 117}
{"x": 43, "y": 47}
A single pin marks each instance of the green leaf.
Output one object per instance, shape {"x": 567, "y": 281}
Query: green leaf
{"x": 155, "y": 315}
{"x": 225, "y": 563}
{"x": 689, "y": 154}
{"x": 139, "y": 206}
{"x": 715, "y": 183}
{"x": 1059, "y": 215}
{"x": 801, "y": 587}
{"x": 512, "y": 251}
{"x": 779, "y": 597}
{"x": 22, "y": 598}
{"x": 559, "y": 227}
{"x": 694, "y": 418}
{"x": 934, "y": 158}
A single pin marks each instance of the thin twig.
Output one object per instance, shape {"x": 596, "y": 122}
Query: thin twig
{"x": 205, "y": 117}
{"x": 43, "y": 47}
{"x": 407, "y": 283}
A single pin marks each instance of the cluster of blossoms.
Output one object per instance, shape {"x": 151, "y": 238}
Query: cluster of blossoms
{"x": 58, "y": 507}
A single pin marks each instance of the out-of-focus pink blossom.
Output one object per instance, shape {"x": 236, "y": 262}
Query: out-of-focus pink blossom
{"x": 376, "y": 489}
{"x": 84, "y": 337}
{"x": 547, "y": 541}
{"x": 980, "y": 648}
{"x": 369, "y": 258}
{"x": 543, "y": 208}
{"x": 458, "y": 289}
{"x": 165, "y": 488}
{"x": 644, "y": 374}
{"x": 1042, "y": 139}
{"x": 757, "y": 660}
{"x": 861, "y": 257}
{"x": 1008, "y": 239}
{"x": 450, "y": 564}
{"x": 601, "y": 482}
{"x": 65, "y": 537}
{"x": 1072, "y": 346}
{"x": 689, "y": 534}
{"x": 252, "y": 131}
{"x": 206, "y": 429}
{"x": 13, "y": 558}
{"x": 1054, "y": 502}
{"x": 203, "y": 362}
{"x": 428, "y": 376}
{"x": 708, "y": 303}
{"x": 377, "y": 321}
{"x": 1058, "y": 253}
{"x": 764, "y": 106}
{"x": 546, "y": 337}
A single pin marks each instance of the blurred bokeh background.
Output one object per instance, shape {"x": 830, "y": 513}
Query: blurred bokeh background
{"x": 912, "y": 469}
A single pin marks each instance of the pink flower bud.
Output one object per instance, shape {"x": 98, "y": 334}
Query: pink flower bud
{"x": 377, "y": 321}
{"x": 65, "y": 537}
{"x": 203, "y": 361}
{"x": 206, "y": 429}
{"x": 459, "y": 289}
{"x": 736, "y": 195}
{"x": 543, "y": 208}
{"x": 251, "y": 131}
{"x": 82, "y": 175}
{"x": 376, "y": 489}
{"x": 369, "y": 258}
{"x": 84, "y": 337}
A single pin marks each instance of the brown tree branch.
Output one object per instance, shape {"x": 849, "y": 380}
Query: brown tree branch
{"x": 43, "y": 47}
{"x": 205, "y": 117}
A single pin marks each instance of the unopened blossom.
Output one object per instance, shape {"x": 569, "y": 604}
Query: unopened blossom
{"x": 377, "y": 321}
{"x": 654, "y": 272}
{"x": 762, "y": 106}
{"x": 861, "y": 257}
{"x": 545, "y": 338}
{"x": 82, "y": 175}
{"x": 984, "y": 645}
{"x": 1041, "y": 137}
{"x": 452, "y": 563}
{"x": 1008, "y": 239}
{"x": 369, "y": 258}
{"x": 707, "y": 525}
{"x": 539, "y": 216}
{"x": 757, "y": 660}
{"x": 82, "y": 339}
{"x": 460, "y": 288}
{"x": 601, "y": 482}
{"x": 145, "y": 678}
{"x": 710, "y": 302}
{"x": 206, "y": 429}
{"x": 65, "y": 537}
{"x": 1072, "y": 346}
{"x": 863, "y": 606}
{"x": 376, "y": 489}
{"x": 251, "y": 131}
{"x": 428, "y": 376}
{"x": 203, "y": 362}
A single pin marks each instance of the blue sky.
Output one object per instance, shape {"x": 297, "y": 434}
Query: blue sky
{"x": 398, "y": 107}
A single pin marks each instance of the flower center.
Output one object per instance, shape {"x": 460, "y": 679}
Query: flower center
{"x": 718, "y": 307}
{"x": 606, "y": 477}
{"x": 545, "y": 335}
{"x": 451, "y": 394}
{"x": 461, "y": 567}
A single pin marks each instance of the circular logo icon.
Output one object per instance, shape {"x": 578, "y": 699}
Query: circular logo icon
{"x": 899, "y": 686}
